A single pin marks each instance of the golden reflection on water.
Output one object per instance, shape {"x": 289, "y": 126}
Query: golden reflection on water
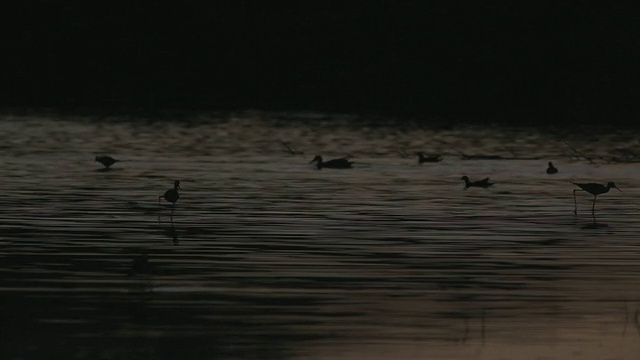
{"x": 267, "y": 257}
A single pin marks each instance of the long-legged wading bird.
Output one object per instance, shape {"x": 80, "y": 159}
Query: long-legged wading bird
{"x": 484, "y": 183}
{"x": 171, "y": 195}
{"x": 107, "y": 161}
{"x": 551, "y": 169}
{"x": 341, "y": 163}
{"x": 423, "y": 158}
{"x": 593, "y": 189}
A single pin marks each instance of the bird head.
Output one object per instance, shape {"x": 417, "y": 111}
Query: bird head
{"x": 465, "y": 178}
{"x": 176, "y": 184}
{"x": 318, "y": 158}
{"x": 611, "y": 184}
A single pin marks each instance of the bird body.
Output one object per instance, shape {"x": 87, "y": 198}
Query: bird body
{"x": 341, "y": 163}
{"x": 593, "y": 189}
{"x": 423, "y": 158}
{"x": 107, "y": 161}
{"x": 171, "y": 195}
{"x": 551, "y": 169}
{"x": 484, "y": 183}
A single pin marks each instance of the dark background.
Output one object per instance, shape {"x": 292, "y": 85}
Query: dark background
{"x": 519, "y": 62}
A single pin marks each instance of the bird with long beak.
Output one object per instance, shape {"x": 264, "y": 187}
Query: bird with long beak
{"x": 595, "y": 190}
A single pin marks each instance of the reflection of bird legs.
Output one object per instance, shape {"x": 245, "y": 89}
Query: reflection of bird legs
{"x": 636, "y": 319}
{"x": 636, "y": 314}
{"x": 626, "y": 319}
{"x": 593, "y": 207}
{"x": 466, "y": 330}
{"x": 170, "y": 215}
{"x": 483, "y": 332}
{"x": 174, "y": 234}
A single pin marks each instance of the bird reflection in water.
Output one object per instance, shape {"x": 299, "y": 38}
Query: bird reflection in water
{"x": 139, "y": 264}
{"x": 467, "y": 334}
{"x": 635, "y": 318}
{"x": 172, "y": 233}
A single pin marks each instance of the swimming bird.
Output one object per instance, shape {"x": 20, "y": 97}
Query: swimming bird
{"x": 484, "y": 183}
{"x": 171, "y": 195}
{"x": 106, "y": 161}
{"x": 551, "y": 169}
{"x": 595, "y": 190}
{"x": 423, "y": 158}
{"x": 341, "y": 163}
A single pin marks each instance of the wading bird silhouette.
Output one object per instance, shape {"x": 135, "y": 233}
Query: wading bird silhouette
{"x": 171, "y": 195}
{"x": 107, "y": 161}
{"x": 341, "y": 163}
{"x": 595, "y": 190}
{"x": 484, "y": 183}
{"x": 551, "y": 169}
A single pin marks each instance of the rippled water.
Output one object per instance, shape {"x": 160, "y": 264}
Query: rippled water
{"x": 266, "y": 257}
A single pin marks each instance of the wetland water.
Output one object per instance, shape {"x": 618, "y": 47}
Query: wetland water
{"x": 268, "y": 258}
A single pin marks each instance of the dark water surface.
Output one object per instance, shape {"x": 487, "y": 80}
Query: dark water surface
{"x": 268, "y": 258}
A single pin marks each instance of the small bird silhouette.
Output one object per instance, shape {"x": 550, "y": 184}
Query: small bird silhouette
{"x": 341, "y": 163}
{"x": 423, "y": 158}
{"x": 107, "y": 161}
{"x": 551, "y": 169}
{"x": 484, "y": 183}
{"x": 171, "y": 195}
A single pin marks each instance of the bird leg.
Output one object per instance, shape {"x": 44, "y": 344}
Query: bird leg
{"x": 593, "y": 208}
{"x": 575, "y": 203}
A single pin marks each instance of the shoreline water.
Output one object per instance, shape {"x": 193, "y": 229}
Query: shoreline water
{"x": 268, "y": 257}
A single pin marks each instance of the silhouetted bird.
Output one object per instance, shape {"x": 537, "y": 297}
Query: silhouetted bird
{"x": 484, "y": 183}
{"x": 593, "y": 189}
{"x": 341, "y": 163}
{"x": 551, "y": 169}
{"x": 423, "y": 158}
{"x": 171, "y": 195}
{"x": 106, "y": 161}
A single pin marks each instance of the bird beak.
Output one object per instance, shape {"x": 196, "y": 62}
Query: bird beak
{"x": 617, "y": 188}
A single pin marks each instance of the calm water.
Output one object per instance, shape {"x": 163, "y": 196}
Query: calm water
{"x": 269, "y": 258}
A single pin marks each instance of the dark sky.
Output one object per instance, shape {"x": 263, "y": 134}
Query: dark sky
{"x": 452, "y": 59}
